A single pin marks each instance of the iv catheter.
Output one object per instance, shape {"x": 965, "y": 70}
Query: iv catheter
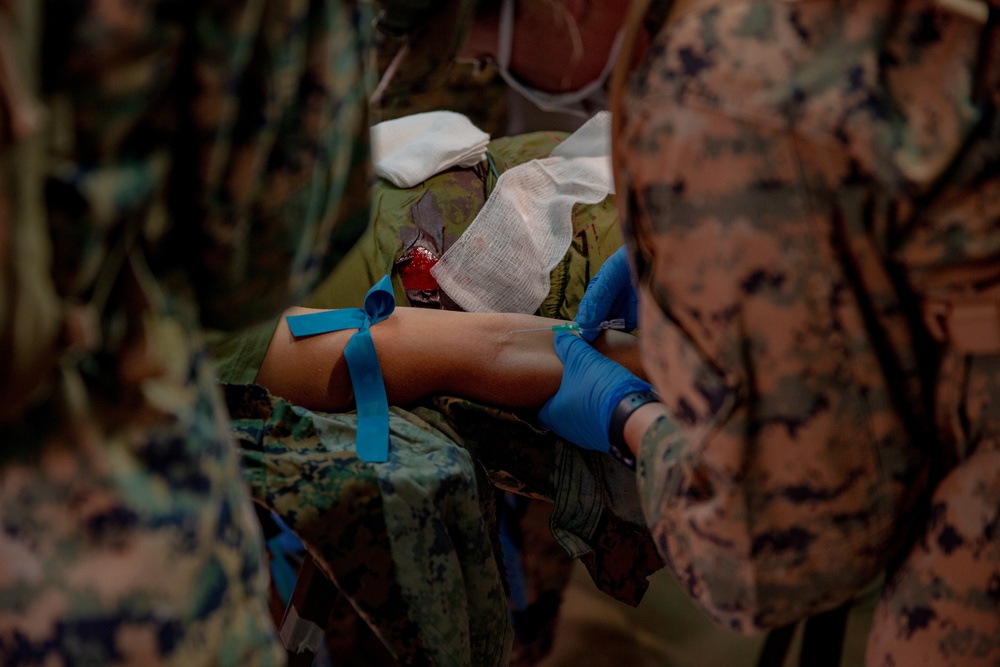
{"x": 574, "y": 327}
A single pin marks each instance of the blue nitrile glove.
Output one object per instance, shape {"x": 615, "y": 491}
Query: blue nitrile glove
{"x": 592, "y": 386}
{"x": 609, "y": 295}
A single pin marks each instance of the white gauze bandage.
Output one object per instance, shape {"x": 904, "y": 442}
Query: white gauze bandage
{"x": 411, "y": 149}
{"x": 502, "y": 261}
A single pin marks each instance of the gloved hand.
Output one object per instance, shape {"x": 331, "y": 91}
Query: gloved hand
{"x": 592, "y": 386}
{"x": 609, "y": 295}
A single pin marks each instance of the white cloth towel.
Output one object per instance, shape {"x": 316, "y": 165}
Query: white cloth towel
{"x": 502, "y": 261}
{"x": 411, "y": 149}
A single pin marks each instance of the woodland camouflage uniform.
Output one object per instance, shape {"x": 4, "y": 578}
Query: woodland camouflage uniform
{"x": 814, "y": 217}
{"x": 164, "y": 165}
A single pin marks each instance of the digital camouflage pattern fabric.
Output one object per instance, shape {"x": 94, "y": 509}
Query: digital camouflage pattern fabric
{"x": 942, "y": 605}
{"x": 174, "y": 141}
{"x": 411, "y": 542}
{"x": 404, "y": 540}
{"x": 791, "y": 203}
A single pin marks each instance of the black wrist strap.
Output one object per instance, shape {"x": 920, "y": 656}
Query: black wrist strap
{"x": 616, "y": 429}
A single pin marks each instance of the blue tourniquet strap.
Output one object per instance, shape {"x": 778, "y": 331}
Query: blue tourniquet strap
{"x": 362, "y": 363}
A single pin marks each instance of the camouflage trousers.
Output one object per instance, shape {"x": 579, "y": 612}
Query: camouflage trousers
{"x": 412, "y": 542}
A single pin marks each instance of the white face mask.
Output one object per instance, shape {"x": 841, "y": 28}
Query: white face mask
{"x": 583, "y": 102}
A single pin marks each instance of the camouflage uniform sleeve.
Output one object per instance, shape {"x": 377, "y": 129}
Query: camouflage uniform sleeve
{"x": 753, "y": 147}
{"x": 406, "y": 541}
{"x": 235, "y": 132}
{"x": 275, "y": 188}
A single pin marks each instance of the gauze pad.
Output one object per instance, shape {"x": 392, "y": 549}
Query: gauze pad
{"x": 411, "y": 149}
{"x": 502, "y": 261}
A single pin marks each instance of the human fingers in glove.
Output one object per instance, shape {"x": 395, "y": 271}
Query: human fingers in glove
{"x": 597, "y": 399}
{"x": 611, "y": 294}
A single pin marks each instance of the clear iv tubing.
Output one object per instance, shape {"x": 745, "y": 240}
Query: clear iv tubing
{"x": 573, "y": 327}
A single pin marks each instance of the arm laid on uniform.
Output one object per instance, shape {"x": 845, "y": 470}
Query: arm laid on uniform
{"x": 425, "y": 351}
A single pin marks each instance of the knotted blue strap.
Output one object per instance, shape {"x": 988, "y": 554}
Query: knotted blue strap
{"x": 362, "y": 363}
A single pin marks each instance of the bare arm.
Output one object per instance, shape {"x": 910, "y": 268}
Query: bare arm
{"x": 423, "y": 352}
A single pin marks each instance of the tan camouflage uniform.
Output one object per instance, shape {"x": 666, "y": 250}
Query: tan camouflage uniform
{"x": 792, "y": 199}
{"x": 174, "y": 142}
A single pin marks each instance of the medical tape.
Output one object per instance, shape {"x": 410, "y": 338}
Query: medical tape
{"x": 362, "y": 363}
